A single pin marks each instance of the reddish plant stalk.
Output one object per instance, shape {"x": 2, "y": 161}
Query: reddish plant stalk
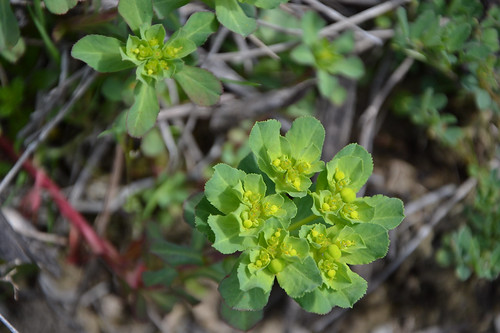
{"x": 98, "y": 245}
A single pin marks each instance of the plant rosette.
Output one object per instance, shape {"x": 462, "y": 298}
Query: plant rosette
{"x": 285, "y": 227}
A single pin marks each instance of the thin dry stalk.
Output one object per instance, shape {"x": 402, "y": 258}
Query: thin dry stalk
{"x": 361, "y": 17}
{"x": 369, "y": 117}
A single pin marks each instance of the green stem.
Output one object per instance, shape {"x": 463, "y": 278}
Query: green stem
{"x": 300, "y": 223}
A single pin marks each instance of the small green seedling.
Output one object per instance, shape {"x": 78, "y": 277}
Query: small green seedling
{"x": 329, "y": 58}
{"x": 287, "y": 228}
{"x": 155, "y": 59}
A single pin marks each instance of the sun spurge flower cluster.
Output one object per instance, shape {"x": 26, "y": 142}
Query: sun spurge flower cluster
{"x": 303, "y": 234}
{"x": 154, "y": 58}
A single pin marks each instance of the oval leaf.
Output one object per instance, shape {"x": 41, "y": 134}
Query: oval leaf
{"x": 200, "y": 85}
{"x": 142, "y": 115}
{"x": 136, "y": 13}
{"x": 101, "y": 53}
{"x": 199, "y": 26}
{"x": 60, "y": 6}
{"x": 9, "y": 30}
{"x": 232, "y": 16}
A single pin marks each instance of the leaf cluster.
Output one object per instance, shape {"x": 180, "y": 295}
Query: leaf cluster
{"x": 155, "y": 58}
{"x": 458, "y": 39}
{"x": 287, "y": 228}
{"x": 474, "y": 248}
{"x": 329, "y": 58}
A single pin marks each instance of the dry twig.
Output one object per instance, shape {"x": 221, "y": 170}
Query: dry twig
{"x": 369, "y": 117}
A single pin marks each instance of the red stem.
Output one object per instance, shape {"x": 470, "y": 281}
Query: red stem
{"x": 98, "y": 246}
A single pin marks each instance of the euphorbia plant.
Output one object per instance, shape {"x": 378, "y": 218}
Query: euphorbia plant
{"x": 285, "y": 227}
{"x": 155, "y": 58}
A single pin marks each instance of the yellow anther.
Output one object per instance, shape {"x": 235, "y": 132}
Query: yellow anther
{"x": 277, "y": 162}
{"x": 325, "y": 207}
{"x": 354, "y": 215}
{"x": 136, "y": 50}
{"x": 277, "y": 234}
{"x": 258, "y": 263}
{"x": 150, "y": 72}
{"x": 314, "y": 233}
{"x": 247, "y": 224}
{"x": 293, "y": 252}
{"x": 331, "y": 273}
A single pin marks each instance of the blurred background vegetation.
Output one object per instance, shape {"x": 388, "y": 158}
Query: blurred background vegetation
{"x": 94, "y": 234}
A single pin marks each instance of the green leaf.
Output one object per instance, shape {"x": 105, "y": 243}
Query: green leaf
{"x": 306, "y": 133}
{"x": 9, "y": 29}
{"x": 457, "y": 35}
{"x": 355, "y": 162}
{"x": 344, "y": 43}
{"x": 199, "y": 26}
{"x": 268, "y": 4}
{"x": 14, "y": 53}
{"x": 298, "y": 278}
{"x": 302, "y": 54}
{"x": 176, "y": 254}
{"x": 328, "y": 85}
{"x": 265, "y": 140}
{"x": 202, "y": 211}
{"x": 262, "y": 279}
{"x": 311, "y": 25}
{"x": 142, "y": 115}
{"x": 375, "y": 240}
{"x": 232, "y": 16}
{"x": 351, "y": 67}
{"x": 101, "y": 53}
{"x": 226, "y": 229}
{"x": 253, "y": 299}
{"x": 249, "y": 165}
{"x": 176, "y": 48}
{"x": 388, "y": 213}
{"x": 60, "y": 6}
{"x": 200, "y": 85}
{"x": 489, "y": 37}
{"x": 241, "y": 320}
{"x": 164, "y": 277}
{"x": 403, "y": 22}
{"x": 164, "y": 7}
{"x": 152, "y": 144}
{"x": 189, "y": 208}
{"x": 224, "y": 190}
{"x": 321, "y": 300}
{"x": 137, "y": 13}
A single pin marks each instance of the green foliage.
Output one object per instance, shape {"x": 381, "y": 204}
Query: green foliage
{"x": 329, "y": 58}
{"x": 60, "y": 6}
{"x": 306, "y": 244}
{"x": 425, "y": 111}
{"x": 234, "y": 14}
{"x": 474, "y": 248}
{"x": 154, "y": 58}
{"x": 460, "y": 39}
{"x": 9, "y": 29}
